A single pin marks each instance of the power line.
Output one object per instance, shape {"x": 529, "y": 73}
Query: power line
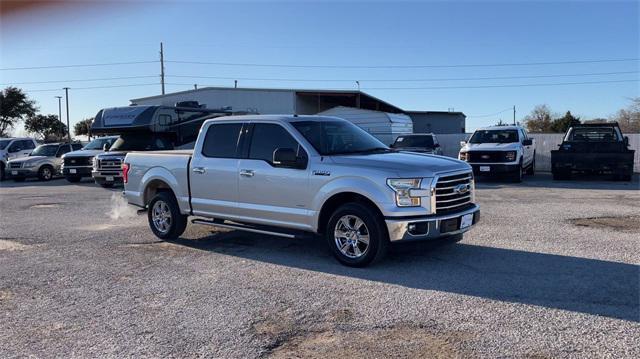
{"x": 77, "y": 65}
{"x": 491, "y": 114}
{"x": 95, "y": 87}
{"x": 80, "y": 80}
{"x": 406, "y": 80}
{"x": 401, "y": 66}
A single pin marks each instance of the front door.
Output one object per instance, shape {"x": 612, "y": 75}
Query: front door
{"x": 270, "y": 194}
{"x": 214, "y": 172}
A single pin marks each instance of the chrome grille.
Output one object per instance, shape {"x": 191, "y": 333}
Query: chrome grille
{"x": 15, "y": 165}
{"x": 454, "y": 192}
{"x": 110, "y": 164}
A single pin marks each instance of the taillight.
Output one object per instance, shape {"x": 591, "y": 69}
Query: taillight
{"x": 125, "y": 172}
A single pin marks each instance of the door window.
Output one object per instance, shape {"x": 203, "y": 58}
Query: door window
{"x": 266, "y": 138}
{"x": 15, "y": 146}
{"x": 28, "y": 145}
{"x": 221, "y": 140}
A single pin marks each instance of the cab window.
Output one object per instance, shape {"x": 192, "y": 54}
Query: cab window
{"x": 221, "y": 140}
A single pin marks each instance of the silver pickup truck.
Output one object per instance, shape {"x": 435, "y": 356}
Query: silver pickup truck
{"x": 298, "y": 175}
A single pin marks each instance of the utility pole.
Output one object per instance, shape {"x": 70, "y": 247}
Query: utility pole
{"x": 514, "y": 115}
{"x": 195, "y": 86}
{"x": 162, "y": 67}
{"x": 235, "y": 84}
{"x": 66, "y": 101}
{"x": 59, "y": 107}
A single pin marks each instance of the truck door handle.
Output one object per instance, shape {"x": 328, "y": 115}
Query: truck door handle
{"x": 246, "y": 173}
{"x": 199, "y": 170}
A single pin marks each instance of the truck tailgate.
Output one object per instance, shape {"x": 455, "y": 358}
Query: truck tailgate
{"x": 592, "y": 160}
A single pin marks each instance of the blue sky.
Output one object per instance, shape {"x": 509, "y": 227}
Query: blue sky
{"x": 335, "y": 33}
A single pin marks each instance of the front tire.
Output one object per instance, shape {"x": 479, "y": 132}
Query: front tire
{"x": 164, "y": 216}
{"x": 356, "y": 235}
{"x": 2, "y": 178}
{"x": 45, "y": 173}
{"x": 516, "y": 176}
{"x": 532, "y": 169}
{"x": 106, "y": 184}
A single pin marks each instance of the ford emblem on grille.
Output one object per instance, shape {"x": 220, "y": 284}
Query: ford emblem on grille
{"x": 73, "y": 161}
{"x": 485, "y": 157}
{"x": 461, "y": 188}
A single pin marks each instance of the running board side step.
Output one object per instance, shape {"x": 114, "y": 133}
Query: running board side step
{"x": 271, "y": 231}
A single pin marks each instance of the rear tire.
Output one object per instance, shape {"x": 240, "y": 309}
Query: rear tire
{"x": 532, "y": 168}
{"x": 561, "y": 175}
{"x": 45, "y": 173}
{"x": 356, "y": 235}
{"x": 73, "y": 179}
{"x": 164, "y": 216}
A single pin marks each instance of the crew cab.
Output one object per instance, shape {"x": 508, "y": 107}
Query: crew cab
{"x": 44, "y": 162}
{"x": 107, "y": 166}
{"x": 298, "y": 175}
{"x": 505, "y": 151}
{"x": 14, "y": 148}
{"x": 79, "y": 164}
{"x": 418, "y": 142}
{"x": 598, "y": 148}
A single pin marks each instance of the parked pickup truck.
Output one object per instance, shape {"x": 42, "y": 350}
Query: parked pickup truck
{"x": 78, "y": 164}
{"x": 593, "y": 148}
{"x": 298, "y": 175}
{"x": 505, "y": 151}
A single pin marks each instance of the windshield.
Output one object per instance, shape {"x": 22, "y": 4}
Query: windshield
{"x": 338, "y": 137}
{"x": 141, "y": 142}
{"x": 4, "y": 144}
{"x": 414, "y": 141}
{"x": 98, "y": 143}
{"x": 592, "y": 134}
{"x": 494, "y": 136}
{"x": 45, "y": 150}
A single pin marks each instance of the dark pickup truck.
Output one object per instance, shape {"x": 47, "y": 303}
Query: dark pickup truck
{"x": 593, "y": 148}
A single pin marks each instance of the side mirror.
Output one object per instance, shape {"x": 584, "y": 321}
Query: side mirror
{"x": 463, "y": 143}
{"x": 105, "y": 147}
{"x": 285, "y": 157}
{"x": 393, "y": 145}
{"x": 527, "y": 142}
{"x": 437, "y": 145}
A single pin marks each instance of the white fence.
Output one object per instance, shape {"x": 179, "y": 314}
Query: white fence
{"x": 545, "y": 142}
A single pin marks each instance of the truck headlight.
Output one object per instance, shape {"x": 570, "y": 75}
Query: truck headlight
{"x": 94, "y": 162}
{"x": 463, "y": 156}
{"x": 402, "y": 187}
{"x": 510, "y": 156}
{"x": 28, "y": 164}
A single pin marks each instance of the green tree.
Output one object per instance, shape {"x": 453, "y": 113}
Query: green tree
{"x": 46, "y": 127}
{"x": 15, "y": 106}
{"x": 562, "y": 124}
{"x": 539, "y": 120}
{"x": 83, "y": 128}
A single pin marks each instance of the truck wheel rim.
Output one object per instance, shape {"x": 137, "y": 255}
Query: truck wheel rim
{"x": 161, "y": 216}
{"x": 351, "y": 236}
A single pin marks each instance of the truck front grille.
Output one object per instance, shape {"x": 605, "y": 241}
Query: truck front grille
{"x": 111, "y": 164}
{"x": 454, "y": 193}
{"x": 77, "y": 161}
{"x": 16, "y": 165}
{"x": 486, "y": 156}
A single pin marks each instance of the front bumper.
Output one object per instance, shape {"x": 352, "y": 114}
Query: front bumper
{"x": 77, "y": 171}
{"x": 430, "y": 227}
{"x": 480, "y": 169}
{"x": 21, "y": 172}
{"x": 107, "y": 176}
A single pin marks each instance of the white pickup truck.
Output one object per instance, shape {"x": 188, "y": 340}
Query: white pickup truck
{"x": 295, "y": 175}
{"x": 500, "y": 151}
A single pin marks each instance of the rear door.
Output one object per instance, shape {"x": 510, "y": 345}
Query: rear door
{"x": 267, "y": 193}
{"x": 214, "y": 171}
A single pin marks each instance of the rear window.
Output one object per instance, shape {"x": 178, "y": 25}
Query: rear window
{"x": 222, "y": 140}
{"x": 414, "y": 141}
{"x": 592, "y": 134}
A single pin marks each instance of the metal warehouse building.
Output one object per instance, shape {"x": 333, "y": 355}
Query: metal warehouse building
{"x": 352, "y": 105}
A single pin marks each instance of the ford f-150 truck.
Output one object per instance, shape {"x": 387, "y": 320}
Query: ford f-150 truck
{"x": 298, "y": 175}
{"x": 500, "y": 151}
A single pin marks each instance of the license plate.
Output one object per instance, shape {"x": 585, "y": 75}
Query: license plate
{"x": 14, "y": 172}
{"x": 109, "y": 178}
{"x": 485, "y": 168}
{"x": 466, "y": 221}
{"x": 72, "y": 170}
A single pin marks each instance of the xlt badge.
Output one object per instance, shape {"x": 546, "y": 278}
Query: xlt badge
{"x": 321, "y": 173}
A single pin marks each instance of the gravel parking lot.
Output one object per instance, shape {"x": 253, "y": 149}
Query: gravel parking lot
{"x": 552, "y": 270}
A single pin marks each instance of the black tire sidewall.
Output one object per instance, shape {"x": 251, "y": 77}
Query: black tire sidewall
{"x": 178, "y": 220}
{"x": 378, "y": 238}
{"x": 73, "y": 179}
{"x": 41, "y": 171}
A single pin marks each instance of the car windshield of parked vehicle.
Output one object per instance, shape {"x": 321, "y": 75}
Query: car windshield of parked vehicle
{"x": 4, "y": 144}
{"x": 45, "y": 150}
{"x": 339, "y": 138}
{"x": 136, "y": 142}
{"x": 494, "y": 136}
{"x": 414, "y": 141}
{"x": 99, "y": 143}
{"x": 592, "y": 134}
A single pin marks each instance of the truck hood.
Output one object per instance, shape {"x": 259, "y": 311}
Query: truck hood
{"x": 416, "y": 149}
{"x": 491, "y": 146}
{"x": 83, "y": 153}
{"x": 29, "y": 159}
{"x": 403, "y": 164}
{"x": 116, "y": 154}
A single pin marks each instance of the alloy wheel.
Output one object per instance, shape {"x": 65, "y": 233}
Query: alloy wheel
{"x": 161, "y": 217}
{"x": 351, "y": 236}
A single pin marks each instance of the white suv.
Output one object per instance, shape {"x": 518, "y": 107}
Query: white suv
{"x": 12, "y": 148}
{"x": 500, "y": 150}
